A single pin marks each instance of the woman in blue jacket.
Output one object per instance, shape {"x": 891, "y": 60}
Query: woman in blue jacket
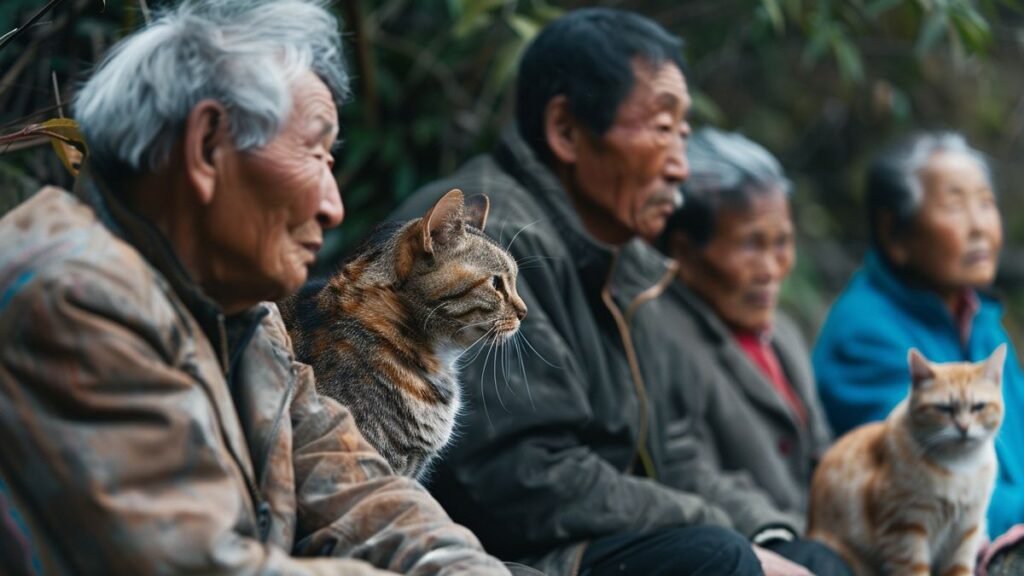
{"x": 936, "y": 235}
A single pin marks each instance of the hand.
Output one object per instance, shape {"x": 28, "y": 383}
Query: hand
{"x": 989, "y": 550}
{"x": 775, "y": 565}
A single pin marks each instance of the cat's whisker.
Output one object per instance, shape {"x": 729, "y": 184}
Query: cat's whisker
{"x": 483, "y": 380}
{"x": 481, "y": 349}
{"x": 431, "y": 313}
{"x": 509, "y": 247}
{"x": 537, "y": 258}
{"x": 494, "y": 373}
{"x": 526, "y": 379}
{"x": 467, "y": 326}
{"x": 539, "y": 355}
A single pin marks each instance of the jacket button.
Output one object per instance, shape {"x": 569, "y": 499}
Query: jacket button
{"x": 263, "y": 520}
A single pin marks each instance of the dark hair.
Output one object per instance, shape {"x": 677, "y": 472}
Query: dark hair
{"x": 893, "y": 185}
{"x": 587, "y": 56}
{"x": 726, "y": 170}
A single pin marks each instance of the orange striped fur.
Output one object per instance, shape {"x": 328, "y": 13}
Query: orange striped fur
{"x": 908, "y": 495}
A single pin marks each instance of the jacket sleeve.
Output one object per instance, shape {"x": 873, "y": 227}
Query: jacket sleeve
{"x": 521, "y": 473}
{"x": 861, "y": 366}
{"x": 1006, "y": 508}
{"x": 692, "y": 461}
{"x": 111, "y": 453}
{"x": 351, "y": 504}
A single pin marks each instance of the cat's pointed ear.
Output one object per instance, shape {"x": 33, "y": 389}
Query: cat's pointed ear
{"x": 476, "y": 211}
{"x": 443, "y": 220}
{"x": 920, "y": 370}
{"x": 994, "y": 365}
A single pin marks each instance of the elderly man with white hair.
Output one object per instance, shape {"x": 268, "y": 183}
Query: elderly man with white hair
{"x": 153, "y": 418}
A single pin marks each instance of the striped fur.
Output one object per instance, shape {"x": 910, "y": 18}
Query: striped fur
{"x": 383, "y": 335}
{"x": 908, "y": 496}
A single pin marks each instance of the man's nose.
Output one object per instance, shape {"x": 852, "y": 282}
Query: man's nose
{"x": 677, "y": 168}
{"x": 331, "y": 212}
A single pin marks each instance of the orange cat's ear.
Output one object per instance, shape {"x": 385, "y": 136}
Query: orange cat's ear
{"x": 477, "y": 209}
{"x": 442, "y": 220}
{"x": 994, "y": 365}
{"x": 920, "y": 370}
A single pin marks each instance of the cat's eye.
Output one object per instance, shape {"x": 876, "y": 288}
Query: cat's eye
{"x": 945, "y": 408}
{"x": 977, "y": 407}
{"x": 496, "y": 282}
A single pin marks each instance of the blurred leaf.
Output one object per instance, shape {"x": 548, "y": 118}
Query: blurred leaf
{"x": 934, "y": 24}
{"x": 474, "y": 16}
{"x": 850, "y": 65}
{"x": 774, "y": 11}
{"x": 973, "y": 29}
{"x": 405, "y": 180}
{"x": 524, "y": 27}
{"x": 705, "y": 110}
{"x": 71, "y": 147}
{"x": 879, "y": 7}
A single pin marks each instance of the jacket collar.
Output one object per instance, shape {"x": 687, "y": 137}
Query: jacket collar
{"x": 747, "y": 376}
{"x": 102, "y": 195}
{"x": 923, "y": 304}
{"x": 629, "y": 269}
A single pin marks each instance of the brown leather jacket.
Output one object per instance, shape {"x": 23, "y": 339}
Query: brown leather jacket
{"x": 141, "y": 432}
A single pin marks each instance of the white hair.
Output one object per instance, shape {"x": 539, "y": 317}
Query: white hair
{"x": 245, "y": 54}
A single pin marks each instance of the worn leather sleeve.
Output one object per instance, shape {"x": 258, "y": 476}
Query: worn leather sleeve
{"x": 350, "y": 503}
{"x": 111, "y": 455}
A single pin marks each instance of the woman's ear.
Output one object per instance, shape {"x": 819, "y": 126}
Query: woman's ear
{"x": 685, "y": 253}
{"x": 560, "y": 130}
{"x": 206, "y": 134}
{"x": 895, "y": 250}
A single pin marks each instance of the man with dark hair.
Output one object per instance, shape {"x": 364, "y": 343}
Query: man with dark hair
{"x": 561, "y": 449}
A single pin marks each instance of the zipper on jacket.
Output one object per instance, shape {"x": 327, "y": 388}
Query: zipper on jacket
{"x": 260, "y": 509}
{"x": 623, "y": 323}
{"x": 578, "y": 562}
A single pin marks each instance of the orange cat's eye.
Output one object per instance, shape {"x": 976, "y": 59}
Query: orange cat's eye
{"x": 977, "y": 407}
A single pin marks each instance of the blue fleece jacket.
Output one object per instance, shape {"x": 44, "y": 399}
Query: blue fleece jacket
{"x": 860, "y": 361}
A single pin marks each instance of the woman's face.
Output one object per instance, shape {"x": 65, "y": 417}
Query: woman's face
{"x": 739, "y": 272}
{"x": 956, "y": 235}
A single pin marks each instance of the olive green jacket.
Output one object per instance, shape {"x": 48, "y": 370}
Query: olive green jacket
{"x": 562, "y": 439}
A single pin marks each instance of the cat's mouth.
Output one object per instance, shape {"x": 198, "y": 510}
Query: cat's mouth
{"x": 505, "y": 330}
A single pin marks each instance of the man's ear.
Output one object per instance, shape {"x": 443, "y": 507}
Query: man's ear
{"x": 206, "y": 133}
{"x": 561, "y": 130}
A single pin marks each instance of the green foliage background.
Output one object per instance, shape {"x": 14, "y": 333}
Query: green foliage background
{"x": 822, "y": 83}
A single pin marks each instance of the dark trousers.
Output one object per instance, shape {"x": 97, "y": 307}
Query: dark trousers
{"x": 685, "y": 551}
{"x": 814, "y": 556}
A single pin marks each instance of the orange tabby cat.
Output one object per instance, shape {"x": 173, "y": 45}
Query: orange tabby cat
{"x": 908, "y": 496}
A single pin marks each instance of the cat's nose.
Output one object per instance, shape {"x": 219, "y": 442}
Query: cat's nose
{"x": 521, "y": 311}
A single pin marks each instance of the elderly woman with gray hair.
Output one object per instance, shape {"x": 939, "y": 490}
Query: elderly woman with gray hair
{"x": 153, "y": 418}
{"x": 752, "y": 426}
{"x": 935, "y": 240}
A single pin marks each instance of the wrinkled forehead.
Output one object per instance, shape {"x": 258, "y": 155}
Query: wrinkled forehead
{"x": 656, "y": 88}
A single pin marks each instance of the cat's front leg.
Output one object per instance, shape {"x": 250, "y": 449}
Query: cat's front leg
{"x": 961, "y": 562}
{"x": 906, "y": 553}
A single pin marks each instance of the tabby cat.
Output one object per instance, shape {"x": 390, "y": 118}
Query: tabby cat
{"x": 908, "y": 496}
{"x": 383, "y": 335}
